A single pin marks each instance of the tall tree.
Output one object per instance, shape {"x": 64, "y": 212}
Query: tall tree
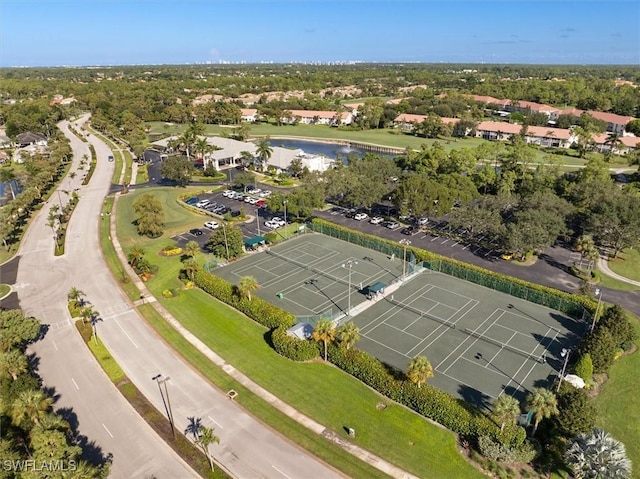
{"x": 192, "y": 248}
{"x": 246, "y": 285}
{"x": 226, "y": 242}
{"x": 177, "y": 169}
{"x": 543, "y": 403}
{"x": 149, "y": 215}
{"x": 13, "y": 363}
{"x": 348, "y": 334}
{"x": 206, "y": 438}
{"x": 264, "y": 152}
{"x": 17, "y": 330}
{"x": 324, "y": 331}
{"x": 29, "y": 407}
{"x": 75, "y": 296}
{"x": 506, "y": 409}
{"x": 419, "y": 370}
{"x": 599, "y": 456}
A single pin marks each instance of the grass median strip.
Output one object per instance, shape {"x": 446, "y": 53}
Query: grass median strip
{"x": 180, "y": 444}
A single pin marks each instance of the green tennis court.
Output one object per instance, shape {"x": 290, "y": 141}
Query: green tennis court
{"x": 481, "y": 342}
{"x": 311, "y": 274}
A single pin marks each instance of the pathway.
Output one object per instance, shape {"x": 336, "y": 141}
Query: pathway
{"x": 603, "y": 266}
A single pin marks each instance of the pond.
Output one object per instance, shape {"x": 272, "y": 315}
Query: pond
{"x": 330, "y": 150}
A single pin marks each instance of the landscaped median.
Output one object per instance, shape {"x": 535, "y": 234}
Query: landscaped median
{"x": 179, "y": 443}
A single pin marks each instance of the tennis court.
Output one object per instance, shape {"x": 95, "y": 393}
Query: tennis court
{"x": 311, "y": 274}
{"x": 480, "y": 342}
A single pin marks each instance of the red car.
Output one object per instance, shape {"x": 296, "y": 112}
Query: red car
{"x": 261, "y": 203}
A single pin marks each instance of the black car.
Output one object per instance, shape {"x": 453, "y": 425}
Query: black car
{"x": 350, "y": 214}
{"x": 196, "y": 232}
{"x": 409, "y": 230}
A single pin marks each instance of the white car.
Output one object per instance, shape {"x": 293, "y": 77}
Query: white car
{"x": 227, "y": 193}
{"x": 278, "y": 221}
{"x": 265, "y": 193}
{"x": 423, "y": 221}
{"x": 376, "y": 220}
{"x": 202, "y": 203}
{"x": 361, "y": 216}
{"x": 272, "y": 225}
{"x": 212, "y": 225}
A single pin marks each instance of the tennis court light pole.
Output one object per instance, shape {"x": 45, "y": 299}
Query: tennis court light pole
{"x": 595, "y": 315}
{"x": 284, "y": 202}
{"x": 349, "y": 264}
{"x": 404, "y": 243}
{"x": 565, "y": 354}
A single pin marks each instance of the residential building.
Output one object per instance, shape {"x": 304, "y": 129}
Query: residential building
{"x": 249, "y": 114}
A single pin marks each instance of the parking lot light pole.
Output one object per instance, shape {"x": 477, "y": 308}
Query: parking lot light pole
{"x": 565, "y": 354}
{"x": 595, "y": 315}
{"x": 258, "y": 219}
{"x": 226, "y": 243}
{"x": 404, "y": 243}
{"x": 349, "y": 264}
{"x": 284, "y": 202}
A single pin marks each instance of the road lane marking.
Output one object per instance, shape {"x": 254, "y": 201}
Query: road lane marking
{"x": 54, "y": 345}
{"x": 108, "y": 432}
{"x": 216, "y": 422}
{"x": 288, "y": 477}
{"x": 75, "y": 384}
{"x": 125, "y": 333}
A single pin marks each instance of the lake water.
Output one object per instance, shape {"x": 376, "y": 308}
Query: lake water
{"x": 330, "y": 150}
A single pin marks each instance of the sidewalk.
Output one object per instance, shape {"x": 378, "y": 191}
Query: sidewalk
{"x": 603, "y": 266}
{"x": 283, "y": 407}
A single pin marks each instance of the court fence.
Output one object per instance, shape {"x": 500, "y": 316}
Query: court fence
{"x": 542, "y": 295}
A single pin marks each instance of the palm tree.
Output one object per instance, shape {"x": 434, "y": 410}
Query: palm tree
{"x": 205, "y": 439}
{"x": 192, "y": 248}
{"x": 584, "y": 243}
{"x": 88, "y": 313}
{"x": 264, "y": 151}
{"x": 592, "y": 255}
{"x": 543, "y": 403}
{"x": 135, "y": 255}
{"x": 29, "y": 407}
{"x": 246, "y": 285}
{"x": 325, "y": 332}
{"x": 75, "y": 296}
{"x": 13, "y": 363}
{"x": 202, "y": 147}
{"x": 506, "y": 409}
{"x": 246, "y": 158}
{"x": 191, "y": 267}
{"x": 598, "y": 455}
{"x": 614, "y": 142}
{"x": 419, "y": 370}
{"x": 348, "y": 334}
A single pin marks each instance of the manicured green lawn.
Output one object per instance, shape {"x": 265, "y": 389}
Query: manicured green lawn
{"x": 627, "y": 264}
{"x": 318, "y": 390}
{"x": 618, "y": 408}
{"x": 609, "y": 282}
{"x": 4, "y": 290}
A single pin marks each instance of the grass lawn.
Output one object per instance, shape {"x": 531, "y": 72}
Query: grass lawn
{"x": 617, "y": 411}
{"x": 609, "y": 282}
{"x": 4, "y": 290}
{"x": 627, "y": 264}
{"x": 394, "y": 433}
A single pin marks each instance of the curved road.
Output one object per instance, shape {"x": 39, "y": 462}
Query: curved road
{"x": 248, "y": 449}
{"x": 107, "y": 422}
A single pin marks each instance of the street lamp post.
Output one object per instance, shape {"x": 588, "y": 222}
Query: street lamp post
{"x": 595, "y": 315}
{"x": 349, "y": 264}
{"x": 284, "y": 202}
{"x": 167, "y": 402}
{"x": 258, "y": 220}
{"x": 226, "y": 243}
{"x": 565, "y": 354}
{"x": 404, "y": 243}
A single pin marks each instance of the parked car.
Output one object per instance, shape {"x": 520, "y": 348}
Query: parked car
{"x": 212, "y": 225}
{"x": 228, "y": 193}
{"x": 110, "y": 158}
{"x": 391, "y": 225}
{"x": 272, "y": 225}
{"x": 265, "y": 194}
{"x": 211, "y": 206}
{"x": 361, "y": 216}
{"x": 376, "y": 220}
{"x": 261, "y": 203}
{"x": 278, "y": 221}
{"x": 423, "y": 221}
{"x": 196, "y": 231}
{"x": 193, "y": 200}
{"x": 409, "y": 230}
{"x": 202, "y": 203}
{"x": 350, "y": 214}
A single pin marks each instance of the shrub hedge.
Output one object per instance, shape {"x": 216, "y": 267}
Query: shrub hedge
{"x": 293, "y": 348}
{"x": 257, "y": 309}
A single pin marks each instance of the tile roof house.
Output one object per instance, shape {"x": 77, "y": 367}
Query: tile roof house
{"x": 407, "y": 121}
{"x": 497, "y": 130}
{"x": 249, "y": 114}
{"x": 30, "y": 138}
{"x": 624, "y": 146}
{"x": 318, "y": 117}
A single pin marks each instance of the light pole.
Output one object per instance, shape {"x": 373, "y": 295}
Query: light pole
{"x": 167, "y": 402}
{"x": 258, "y": 219}
{"x": 404, "y": 243}
{"x": 284, "y": 202}
{"x": 565, "y": 354}
{"x": 226, "y": 243}
{"x": 595, "y": 315}
{"x": 349, "y": 264}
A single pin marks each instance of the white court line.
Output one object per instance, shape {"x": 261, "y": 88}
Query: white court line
{"x": 288, "y": 477}
{"x": 216, "y": 422}
{"x": 125, "y": 333}
{"x": 75, "y": 384}
{"x": 108, "y": 432}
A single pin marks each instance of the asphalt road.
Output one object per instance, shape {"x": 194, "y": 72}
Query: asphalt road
{"x": 108, "y": 424}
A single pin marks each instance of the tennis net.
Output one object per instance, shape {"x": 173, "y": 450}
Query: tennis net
{"x": 310, "y": 268}
{"x": 421, "y": 313}
{"x": 539, "y": 358}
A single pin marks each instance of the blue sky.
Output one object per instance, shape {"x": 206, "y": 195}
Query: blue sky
{"x": 125, "y": 32}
